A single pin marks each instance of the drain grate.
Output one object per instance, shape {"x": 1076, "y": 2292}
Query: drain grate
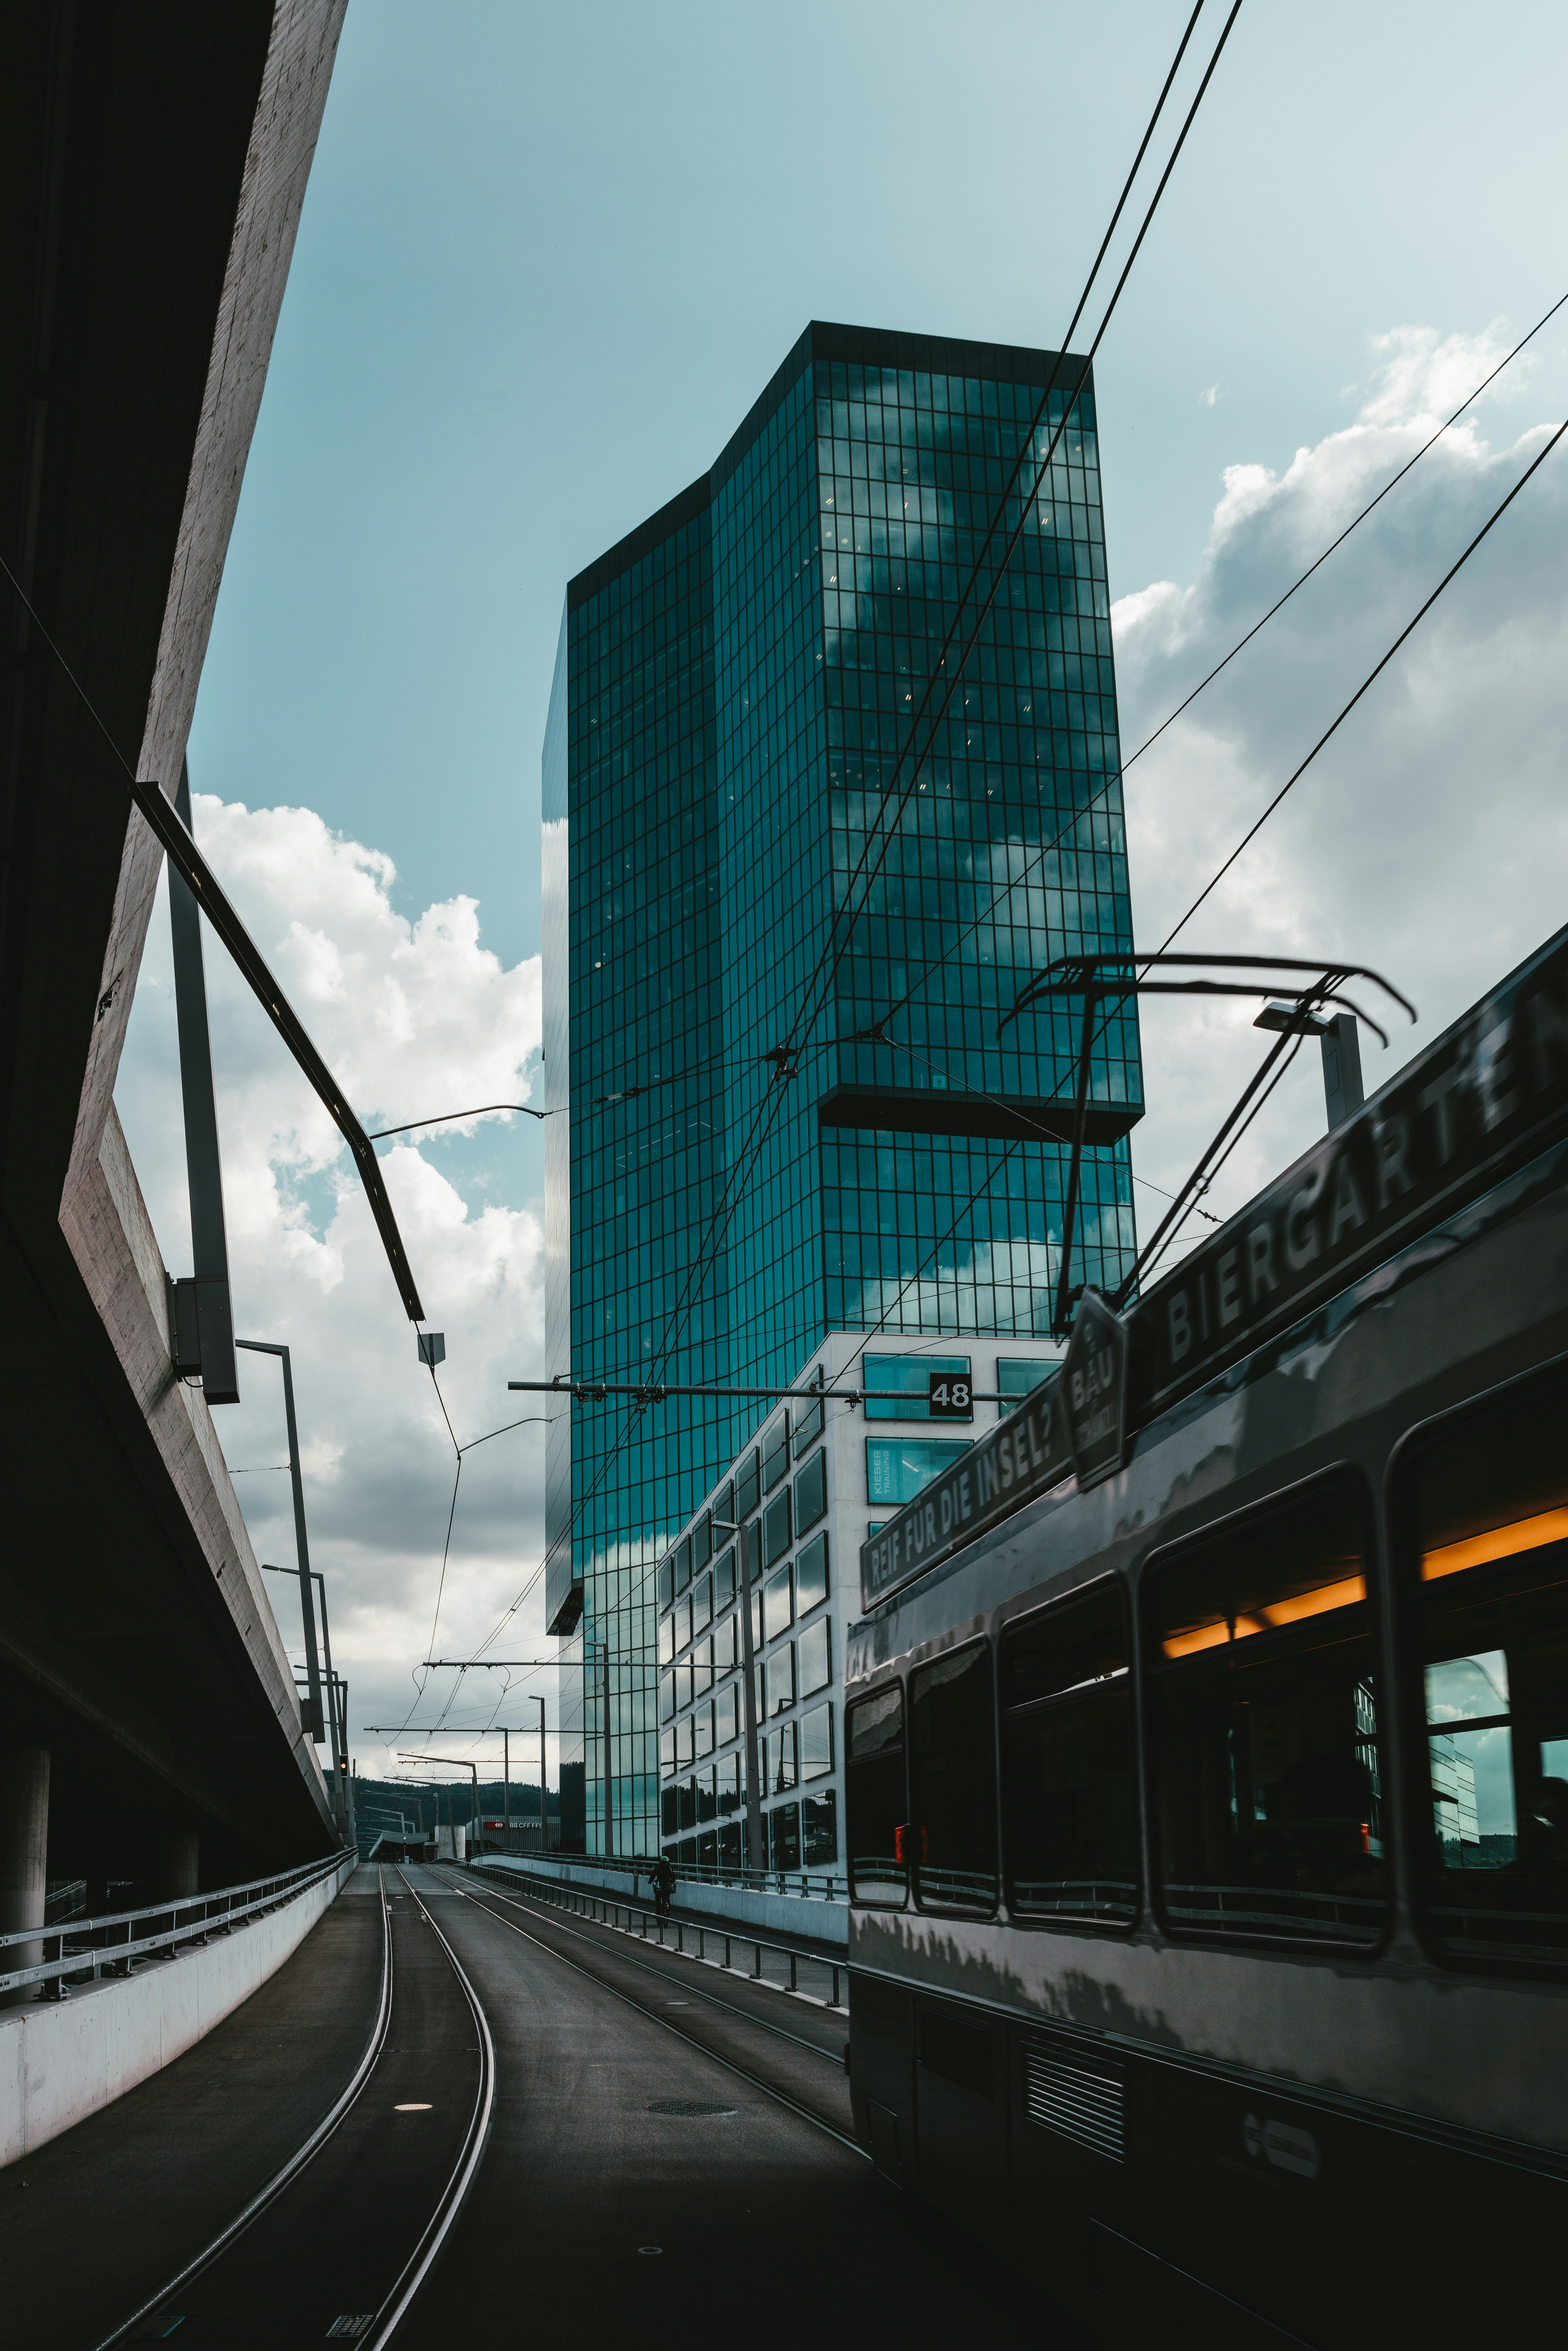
{"x": 357, "y": 2323}
{"x": 688, "y": 2107}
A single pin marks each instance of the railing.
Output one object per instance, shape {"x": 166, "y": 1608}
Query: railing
{"x": 631, "y": 1918}
{"x": 810, "y": 1886}
{"x": 111, "y": 1945}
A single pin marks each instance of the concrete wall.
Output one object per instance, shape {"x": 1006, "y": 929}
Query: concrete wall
{"x": 60, "y": 2062}
{"x": 826, "y": 1924}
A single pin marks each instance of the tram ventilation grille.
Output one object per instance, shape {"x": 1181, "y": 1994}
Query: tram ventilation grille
{"x": 1087, "y": 2107}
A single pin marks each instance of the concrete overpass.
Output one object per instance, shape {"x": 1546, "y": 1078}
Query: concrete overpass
{"x": 153, "y": 161}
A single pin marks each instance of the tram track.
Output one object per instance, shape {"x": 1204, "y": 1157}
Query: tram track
{"x": 300, "y": 2268}
{"x": 821, "y": 2117}
{"x": 671, "y": 1974}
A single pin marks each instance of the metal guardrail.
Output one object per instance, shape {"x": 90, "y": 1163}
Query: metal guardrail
{"x": 808, "y": 1886}
{"x": 631, "y": 1918}
{"x": 109, "y": 1945}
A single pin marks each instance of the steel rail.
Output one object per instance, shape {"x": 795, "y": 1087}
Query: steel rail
{"x": 296, "y": 2164}
{"x": 741, "y": 2072}
{"x": 664, "y": 1975}
{"x": 412, "y": 2276}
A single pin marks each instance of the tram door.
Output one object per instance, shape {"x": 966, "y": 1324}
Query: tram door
{"x": 961, "y": 2115}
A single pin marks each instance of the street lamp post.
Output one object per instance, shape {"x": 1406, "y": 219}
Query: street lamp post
{"x": 302, "y": 1547}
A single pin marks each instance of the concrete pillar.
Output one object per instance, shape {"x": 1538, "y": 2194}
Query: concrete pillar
{"x": 24, "y": 1857}
{"x": 175, "y": 1864}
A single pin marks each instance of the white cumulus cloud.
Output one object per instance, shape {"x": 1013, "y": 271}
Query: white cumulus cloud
{"x": 1430, "y": 838}
{"x": 414, "y": 1017}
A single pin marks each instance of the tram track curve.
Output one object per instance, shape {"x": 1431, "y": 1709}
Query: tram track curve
{"x": 827, "y": 2122}
{"x": 206, "y": 2269}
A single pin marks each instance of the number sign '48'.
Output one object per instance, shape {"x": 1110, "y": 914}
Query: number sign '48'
{"x": 949, "y": 1397}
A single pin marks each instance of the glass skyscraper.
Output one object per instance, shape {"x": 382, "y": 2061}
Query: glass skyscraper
{"x": 734, "y": 683}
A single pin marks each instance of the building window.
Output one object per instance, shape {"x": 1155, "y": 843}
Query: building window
{"x": 775, "y": 1452}
{"x": 809, "y": 1423}
{"x": 684, "y": 1749}
{"x": 898, "y": 1468}
{"x": 778, "y": 1614}
{"x": 666, "y": 1754}
{"x": 726, "y": 1709}
{"x": 811, "y": 1491}
{"x": 702, "y": 1668}
{"x": 683, "y": 1623}
{"x": 666, "y": 1639}
{"x": 815, "y": 1647}
{"x": 666, "y": 1697}
{"x": 817, "y": 1743}
{"x": 702, "y": 1728}
{"x": 748, "y": 1487}
{"x": 682, "y": 1565}
{"x": 782, "y": 1767}
{"x": 819, "y": 1829}
{"x": 784, "y": 1837}
{"x": 1019, "y": 1376}
{"x": 726, "y": 1646}
{"x": 727, "y": 1781}
{"x": 666, "y": 1582}
{"x": 776, "y": 1529}
{"x": 702, "y": 1604}
{"x": 706, "y": 1788}
{"x": 909, "y": 1378}
{"x": 811, "y": 1576}
{"x": 681, "y": 1680}
{"x": 724, "y": 1581}
{"x": 781, "y": 1671}
{"x": 702, "y": 1543}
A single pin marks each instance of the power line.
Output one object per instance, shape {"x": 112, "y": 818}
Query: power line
{"x": 1329, "y": 732}
{"x": 1001, "y": 894}
{"x": 736, "y": 1184}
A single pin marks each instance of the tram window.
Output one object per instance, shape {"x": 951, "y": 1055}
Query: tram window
{"x": 1490, "y": 1516}
{"x": 874, "y": 1807}
{"x": 1068, "y": 1762}
{"x": 1266, "y": 1707}
{"x": 953, "y": 1794}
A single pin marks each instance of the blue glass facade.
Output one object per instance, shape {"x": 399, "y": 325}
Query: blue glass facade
{"x": 734, "y": 683}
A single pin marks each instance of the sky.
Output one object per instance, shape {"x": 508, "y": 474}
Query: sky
{"x": 548, "y": 259}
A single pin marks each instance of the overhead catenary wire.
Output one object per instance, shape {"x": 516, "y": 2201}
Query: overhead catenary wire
{"x": 831, "y": 952}
{"x": 1017, "y": 881}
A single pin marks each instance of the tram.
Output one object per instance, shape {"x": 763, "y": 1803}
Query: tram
{"x": 1207, "y": 1758}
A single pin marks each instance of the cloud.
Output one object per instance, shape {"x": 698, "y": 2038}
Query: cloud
{"x": 1207, "y": 399}
{"x": 414, "y": 1017}
{"x": 1430, "y": 839}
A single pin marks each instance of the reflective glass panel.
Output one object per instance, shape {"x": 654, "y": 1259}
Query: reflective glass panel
{"x": 816, "y": 1656}
{"x": 874, "y": 1797}
{"x": 776, "y": 1529}
{"x": 905, "y": 1380}
{"x": 775, "y": 1453}
{"x": 781, "y": 1672}
{"x": 817, "y": 1742}
{"x": 811, "y": 1492}
{"x": 1266, "y": 1726}
{"x": 812, "y": 1575}
{"x": 952, "y": 1783}
{"x": 1491, "y": 1516}
{"x": 1019, "y": 1376}
{"x": 1068, "y": 1762}
{"x": 777, "y": 1609}
{"x": 819, "y": 1830}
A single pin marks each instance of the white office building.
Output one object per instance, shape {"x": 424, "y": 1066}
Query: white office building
{"x": 818, "y": 1479}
